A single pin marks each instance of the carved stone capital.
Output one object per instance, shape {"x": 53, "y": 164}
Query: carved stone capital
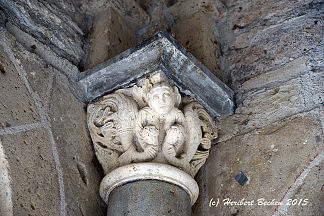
{"x": 151, "y": 123}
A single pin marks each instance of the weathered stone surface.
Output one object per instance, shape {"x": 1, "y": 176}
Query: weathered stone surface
{"x": 271, "y": 158}
{"x": 276, "y": 77}
{"x": 161, "y": 52}
{"x": 278, "y": 59}
{"x": 263, "y": 108}
{"x": 110, "y": 36}
{"x": 313, "y": 88}
{"x": 160, "y": 18}
{"x": 81, "y": 171}
{"x": 195, "y": 33}
{"x": 253, "y": 44}
{"x": 49, "y": 25}
{"x": 26, "y": 78}
{"x": 16, "y": 103}
{"x": 34, "y": 180}
{"x": 273, "y": 101}
{"x": 37, "y": 47}
{"x": 39, "y": 74}
{"x": 272, "y": 51}
{"x": 256, "y": 12}
{"x": 185, "y": 9}
{"x": 312, "y": 189}
{"x": 129, "y": 10}
{"x": 72, "y": 9}
{"x": 273, "y": 46}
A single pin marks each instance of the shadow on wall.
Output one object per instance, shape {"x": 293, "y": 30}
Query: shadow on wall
{"x": 5, "y": 190}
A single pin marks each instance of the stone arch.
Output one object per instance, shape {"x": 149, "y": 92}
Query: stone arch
{"x": 5, "y": 189}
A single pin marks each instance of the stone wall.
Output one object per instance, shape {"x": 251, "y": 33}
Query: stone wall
{"x": 43, "y": 129}
{"x": 273, "y": 54}
{"x": 270, "y": 53}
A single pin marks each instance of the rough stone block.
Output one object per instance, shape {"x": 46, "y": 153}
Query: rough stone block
{"x": 185, "y": 9}
{"x": 273, "y": 46}
{"x": 254, "y": 12}
{"x": 34, "y": 180}
{"x": 272, "y": 158}
{"x": 196, "y": 34}
{"x": 35, "y": 46}
{"x": 313, "y": 88}
{"x": 110, "y": 36}
{"x": 128, "y": 9}
{"x": 38, "y": 73}
{"x": 81, "y": 172}
{"x": 276, "y": 99}
{"x": 263, "y": 108}
{"x": 160, "y": 19}
{"x": 72, "y": 9}
{"x": 16, "y": 103}
{"x": 51, "y": 27}
{"x": 277, "y": 77}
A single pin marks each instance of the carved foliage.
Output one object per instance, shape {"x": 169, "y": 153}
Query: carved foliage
{"x": 145, "y": 124}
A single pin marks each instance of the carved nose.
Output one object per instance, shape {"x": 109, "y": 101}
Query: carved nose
{"x": 163, "y": 99}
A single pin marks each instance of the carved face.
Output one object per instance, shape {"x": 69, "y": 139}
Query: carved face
{"x": 161, "y": 99}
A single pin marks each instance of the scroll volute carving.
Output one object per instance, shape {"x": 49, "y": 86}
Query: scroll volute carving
{"x": 150, "y": 123}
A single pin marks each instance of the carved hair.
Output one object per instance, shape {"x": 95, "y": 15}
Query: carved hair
{"x": 175, "y": 92}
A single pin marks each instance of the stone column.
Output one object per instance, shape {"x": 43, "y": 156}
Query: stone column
{"x": 148, "y": 146}
{"x": 148, "y": 189}
{"x": 138, "y": 198}
{"x": 151, "y": 138}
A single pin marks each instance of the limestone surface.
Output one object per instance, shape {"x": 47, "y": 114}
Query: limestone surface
{"x": 150, "y": 123}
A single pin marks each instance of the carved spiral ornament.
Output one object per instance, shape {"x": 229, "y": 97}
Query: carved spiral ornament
{"x": 150, "y": 124}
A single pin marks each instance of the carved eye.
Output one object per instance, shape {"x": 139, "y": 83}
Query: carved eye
{"x": 155, "y": 97}
{"x": 166, "y": 94}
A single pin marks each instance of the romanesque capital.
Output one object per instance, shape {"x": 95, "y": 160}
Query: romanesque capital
{"x": 150, "y": 115}
{"x": 150, "y": 123}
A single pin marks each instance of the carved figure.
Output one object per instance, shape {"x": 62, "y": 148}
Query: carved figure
{"x": 145, "y": 123}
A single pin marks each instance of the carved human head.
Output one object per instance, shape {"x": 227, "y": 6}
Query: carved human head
{"x": 162, "y": 98}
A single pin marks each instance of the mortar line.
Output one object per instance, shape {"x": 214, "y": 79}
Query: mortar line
{"x": 22, "y": 128}
{"x": 22, "y": 75}
{"x": 5, "y": 184}
{"x": 38, "y": 105}
{"x": 58, "y": 169}
{"x": 269, "y": 86}
{"x": 303, "y": 87}
{"x": 299, "y": 181}
{"x": 270, "y": 123}
{"x": 47, "y": 96}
